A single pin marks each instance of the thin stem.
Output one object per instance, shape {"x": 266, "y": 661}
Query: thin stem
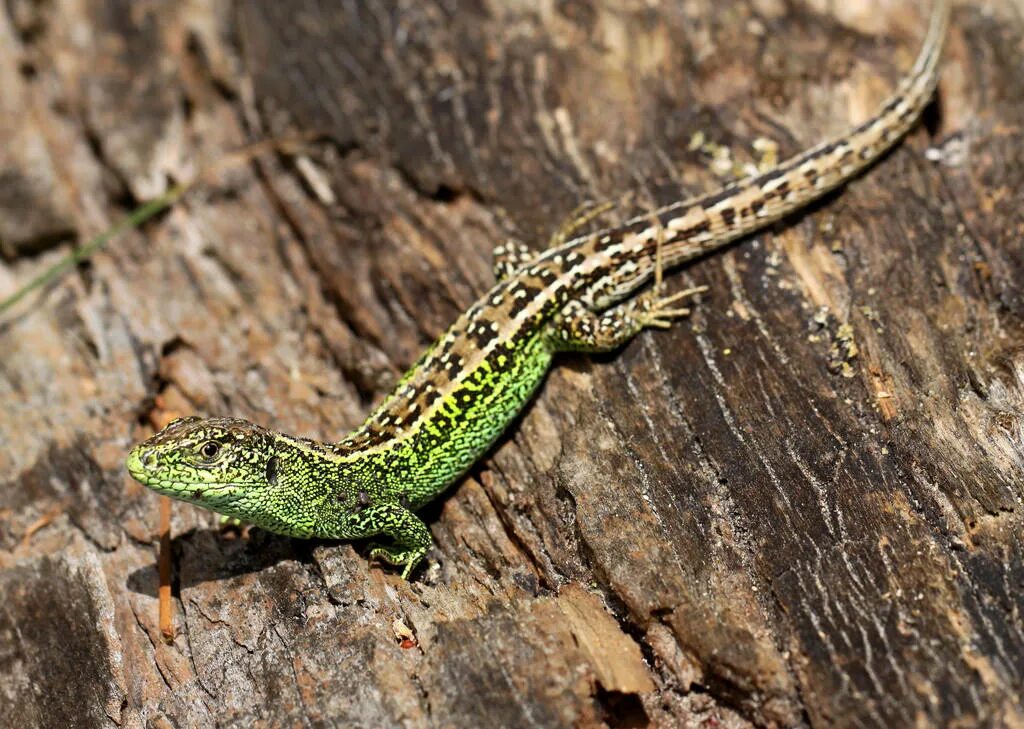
{"x": 146, "y": 211}
{"x": 136, "y": 218}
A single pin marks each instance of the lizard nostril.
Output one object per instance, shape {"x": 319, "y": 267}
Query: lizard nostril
{"x": 149, "y": 459}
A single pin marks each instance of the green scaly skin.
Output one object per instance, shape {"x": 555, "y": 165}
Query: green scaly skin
{"x": 580, "y": 294}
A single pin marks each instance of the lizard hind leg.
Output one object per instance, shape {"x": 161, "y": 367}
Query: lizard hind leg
{"x": 653, "y": 309}
{"x": 578, "y": 329}
{"x": 580, "y": 216}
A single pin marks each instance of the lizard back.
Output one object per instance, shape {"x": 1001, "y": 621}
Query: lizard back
{"x": 465, "y": 389}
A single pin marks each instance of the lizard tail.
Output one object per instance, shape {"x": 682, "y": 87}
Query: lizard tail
{"x": 697, "y": 226}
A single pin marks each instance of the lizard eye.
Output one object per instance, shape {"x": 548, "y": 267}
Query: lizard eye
{"x": 210, "y": 449}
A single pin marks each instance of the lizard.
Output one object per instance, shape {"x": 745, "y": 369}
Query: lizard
{"x": 589, "y": 292}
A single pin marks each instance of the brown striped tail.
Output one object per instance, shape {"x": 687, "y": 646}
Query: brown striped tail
{"x": 702, "y": 224}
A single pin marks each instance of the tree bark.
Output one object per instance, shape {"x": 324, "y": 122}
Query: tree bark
{"x": 800, "y": 507}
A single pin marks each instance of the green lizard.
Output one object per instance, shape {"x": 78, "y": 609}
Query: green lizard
{"x": 580, "y": 294}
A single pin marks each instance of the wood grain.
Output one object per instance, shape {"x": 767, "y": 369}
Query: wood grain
{"x": 801, "y": 507}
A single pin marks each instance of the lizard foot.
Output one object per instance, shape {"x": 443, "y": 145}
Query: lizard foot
{"x": 657, "y": 311}
{"x": 407, "y": 557}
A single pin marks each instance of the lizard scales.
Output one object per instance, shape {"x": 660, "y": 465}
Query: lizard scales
{"x": 580, "y": 294}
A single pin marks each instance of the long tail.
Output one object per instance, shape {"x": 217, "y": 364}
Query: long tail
{"x": 702, "y": 224}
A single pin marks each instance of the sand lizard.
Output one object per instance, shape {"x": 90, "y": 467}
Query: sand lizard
{"x": 579, "y": 294}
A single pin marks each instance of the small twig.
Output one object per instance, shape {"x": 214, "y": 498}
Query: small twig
{"x": 164, "y": 567}
{"x": 45, "y": 520}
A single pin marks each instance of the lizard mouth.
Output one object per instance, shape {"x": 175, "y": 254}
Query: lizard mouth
{"x": 144, "y": 467}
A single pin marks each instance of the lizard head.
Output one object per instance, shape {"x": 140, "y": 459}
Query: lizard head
{"x": 226, "y": 465}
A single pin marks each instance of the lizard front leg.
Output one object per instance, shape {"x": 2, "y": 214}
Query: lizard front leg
{"x": 411, "y": 537}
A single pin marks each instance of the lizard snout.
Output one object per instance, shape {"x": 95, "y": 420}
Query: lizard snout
{"x": 141, "y": 461}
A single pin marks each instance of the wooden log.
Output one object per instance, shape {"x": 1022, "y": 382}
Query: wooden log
{"x": 801, "y": 507}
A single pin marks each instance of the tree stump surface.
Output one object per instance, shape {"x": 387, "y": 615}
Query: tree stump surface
{"x": 800, "y": 507}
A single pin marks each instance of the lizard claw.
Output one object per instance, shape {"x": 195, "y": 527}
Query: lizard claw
{"x": 656, "y": 311}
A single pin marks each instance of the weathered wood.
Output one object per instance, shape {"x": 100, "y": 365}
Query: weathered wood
{"x": 803, "y": 507}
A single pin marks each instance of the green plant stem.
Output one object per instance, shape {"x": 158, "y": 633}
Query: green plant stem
{"x": 136, "y": 218}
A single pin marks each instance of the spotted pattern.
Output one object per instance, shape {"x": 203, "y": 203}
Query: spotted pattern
{"x": 466, "y": 388}
{"x": 509, "y": 257}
